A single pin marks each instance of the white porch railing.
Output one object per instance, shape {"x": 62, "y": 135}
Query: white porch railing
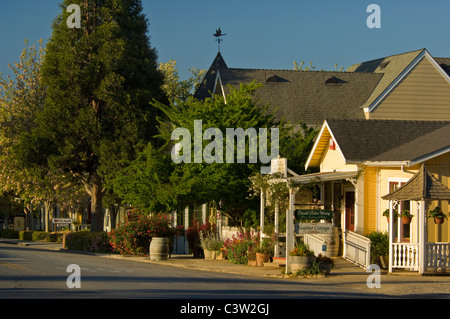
{"x": 314, "y": 243}
{"x": 437, "y": 255}
{"x": 405, "y": 255}
{"x": 357, "y": 248}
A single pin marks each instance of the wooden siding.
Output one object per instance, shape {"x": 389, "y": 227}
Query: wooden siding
{"x": 440, "y": 167}
{"x": 333, "y": 160}
{"x": 424, "y": 94}
{"x": 370, "y": 200}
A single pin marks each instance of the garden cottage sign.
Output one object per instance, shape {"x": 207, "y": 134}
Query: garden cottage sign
{"x": 313, "y": 228}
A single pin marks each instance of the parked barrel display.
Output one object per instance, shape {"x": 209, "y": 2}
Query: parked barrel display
{"x": 159, "y": 248}
{"x": 333, "y": 241}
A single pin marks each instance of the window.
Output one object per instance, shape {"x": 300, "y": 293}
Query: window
{"x": 404, "y": 229}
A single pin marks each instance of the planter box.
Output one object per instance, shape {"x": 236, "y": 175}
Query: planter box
{"x": 299, "y": 262}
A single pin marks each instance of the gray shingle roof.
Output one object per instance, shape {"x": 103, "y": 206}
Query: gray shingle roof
{"x": 385, "y": 140}
{"x": 313, "y": 96}
{"x": 300, "y": 95}
{"x": 423, "y": 185}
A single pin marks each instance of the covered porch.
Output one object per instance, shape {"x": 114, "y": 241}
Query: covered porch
{"x": 418, "y": 255}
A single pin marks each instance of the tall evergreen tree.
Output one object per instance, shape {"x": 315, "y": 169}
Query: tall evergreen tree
{"x": 100, "y": 79}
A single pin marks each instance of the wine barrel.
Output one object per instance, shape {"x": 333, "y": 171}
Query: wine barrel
{"x": 159, "y": 248}
{"x": 333, "y": 241}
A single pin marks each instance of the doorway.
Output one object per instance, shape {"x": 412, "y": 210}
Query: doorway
{"x": 350, "y": 211}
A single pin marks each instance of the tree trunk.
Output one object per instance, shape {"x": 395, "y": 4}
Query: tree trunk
{"x": 47, "y": 216}
{"x": 113, "y": 210}
{"x": 97, "y": 214}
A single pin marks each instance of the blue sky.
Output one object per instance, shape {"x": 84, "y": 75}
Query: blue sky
{"x": 260, "y": 33}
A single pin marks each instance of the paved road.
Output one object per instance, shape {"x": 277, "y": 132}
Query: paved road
{"x": 35, "y": 273}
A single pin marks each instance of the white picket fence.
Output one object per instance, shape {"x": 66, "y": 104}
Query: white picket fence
{"x": 437, "y": 255}
{"x": 405, "y": 255}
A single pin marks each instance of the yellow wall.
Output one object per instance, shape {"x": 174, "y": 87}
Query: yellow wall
{"x": 333, "y": 160}
{"x": 439, "y": 166}
{"x": 370, "y": 196}
{"x": 423, "y": 94}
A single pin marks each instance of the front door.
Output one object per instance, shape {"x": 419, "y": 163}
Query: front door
{"x": 350, "y": 211}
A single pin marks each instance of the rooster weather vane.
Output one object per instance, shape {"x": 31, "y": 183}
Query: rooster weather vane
{"x": 219, "y": 36}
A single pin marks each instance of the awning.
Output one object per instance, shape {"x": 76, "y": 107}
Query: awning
{"x": 323, "y": 177}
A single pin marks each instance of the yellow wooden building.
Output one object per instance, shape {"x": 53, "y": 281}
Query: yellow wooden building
{"x": 407, "y": 127}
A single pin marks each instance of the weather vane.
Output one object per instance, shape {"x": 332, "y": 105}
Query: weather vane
{"x": 219, "y": 36}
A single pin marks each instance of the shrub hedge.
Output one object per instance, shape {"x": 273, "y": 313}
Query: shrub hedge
{"x": 87, "y": 241}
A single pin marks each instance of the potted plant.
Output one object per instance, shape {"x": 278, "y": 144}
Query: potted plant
{"x": 325, "y": 264}
{"x": 300, "y": 257}
{"x": 211, "y": 245}
{"x": 406, "y": 216}
{"x": 438, "y": 215}
{"x": 386, "y": 214}
{"x": 263, "y": 252}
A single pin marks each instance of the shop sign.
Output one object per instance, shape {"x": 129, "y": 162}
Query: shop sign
{"x": 315, "y": 214}
{"x": 313, "y": 228}
{"x": 62, "y": 220}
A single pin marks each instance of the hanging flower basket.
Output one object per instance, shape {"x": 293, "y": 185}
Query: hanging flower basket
{"x": 406, "y": 217}
{"x": 437, "y": 214}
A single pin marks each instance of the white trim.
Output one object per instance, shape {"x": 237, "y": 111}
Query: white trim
{"x": 403, "y": 74}
{"x": 385, "y": 163}
{"x": 429, "y": 156}
{"x": 218, "y": 78}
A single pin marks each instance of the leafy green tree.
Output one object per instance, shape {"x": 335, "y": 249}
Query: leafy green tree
{"x": 174, "y": 87}
{"x": 21, "y": 98}
{"x": 99, "y": 81}
{"x": 155, "y": 182}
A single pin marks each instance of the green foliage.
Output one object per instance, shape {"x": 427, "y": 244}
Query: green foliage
{"x": 26, "y": 235}
{"x": 39, "y": 235}
{"x": 436, "y": 212}
{"x": 379, "y": 244}
{"x": 97, "y": 242}
{"x": 175, "y": 88}
{"x": 9, "y": 233}
{"x": 133, "y": 237}
{"x": 99, "y": 81}
{"x": 154, "y": 181}
{"x": 301, "y": 249}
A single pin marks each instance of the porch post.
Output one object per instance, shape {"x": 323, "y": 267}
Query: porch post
{"x": 276, "y": 252}
{"x": 391, "y": 239}
{"x": 290, "y": 229}
{"x": 422, "y": 221}
{"x": 261, "y": 213}
{"x": 186, "y": 227}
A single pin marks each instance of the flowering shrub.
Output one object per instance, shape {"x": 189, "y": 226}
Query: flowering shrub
{"x": 301, "y": 250}
{"x": 196, "y": 232}
{"x": 87, "y": 241}
{"x": 239, "y": 246}
{"x": 133, "y": 237}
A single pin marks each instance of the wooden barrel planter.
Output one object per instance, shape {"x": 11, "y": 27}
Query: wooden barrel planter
{"x": 159, "y": 248}
{"x": 300, "y": 262}
{"x": 261, "y": 259}
{"x": 332, "y": 242}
